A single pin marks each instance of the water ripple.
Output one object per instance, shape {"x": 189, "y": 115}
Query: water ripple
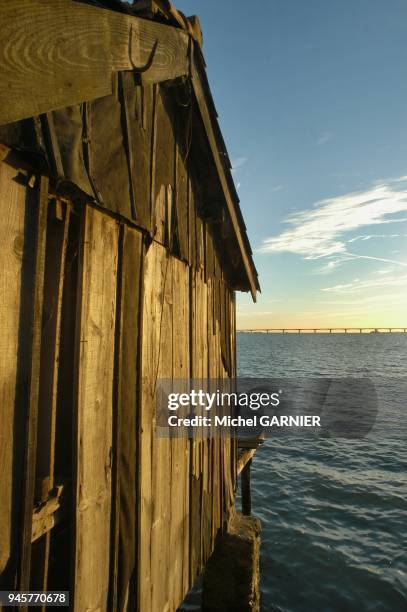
{"x": 334, "y": 512}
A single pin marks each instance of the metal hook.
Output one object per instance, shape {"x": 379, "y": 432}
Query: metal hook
{"x": 150, "y": 59}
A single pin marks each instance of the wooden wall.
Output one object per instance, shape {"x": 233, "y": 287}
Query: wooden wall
{"x": 94, "y": 308}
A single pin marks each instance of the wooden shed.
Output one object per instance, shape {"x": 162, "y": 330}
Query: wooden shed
{"x": 122, "y": 245}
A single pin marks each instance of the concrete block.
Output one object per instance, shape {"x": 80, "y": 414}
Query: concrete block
{"x": 232, "y": 575}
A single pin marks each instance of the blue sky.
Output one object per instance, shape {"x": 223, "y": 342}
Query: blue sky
{"x": 312, "y": 100}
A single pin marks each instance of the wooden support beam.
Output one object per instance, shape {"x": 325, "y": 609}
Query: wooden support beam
{"x": 244, "y": 458}
{"x": 56, "y": 53}
{"x": 254, "y": 442}
{"x": 246, "y": 490}
{"x": 45, "y": 517}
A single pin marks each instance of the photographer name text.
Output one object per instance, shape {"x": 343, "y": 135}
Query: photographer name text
{"x": 307, "y": 420}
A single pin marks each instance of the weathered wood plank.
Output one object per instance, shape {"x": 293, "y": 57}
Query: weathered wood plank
{"x": 200, "y": 448}
{"x": 160, "y": 215}
{"x": 201, "y": 353}
{"x": 182, "y": 196}
{"x": 94, "y": 390}
{"x": 179, "y": 527}
{"x": 232, "y": 320}
{"x": 126, "y": 411}
{"x": 106, "y": 159}
{"x": 215, "y": 364}
{"x": 72, "y": 49}
{"x": 231, "y": 457}
{"x": 223, "y": 324}
{"x": 228, "y": 497}
{"x": 206, "y": 446}
{"x": 191, "y": 224}
{"x": 163, "y": 167}
{"x": 34, "y": 296}
{"x": 153, "y": 155}
{"x": 57, "y": 240}
{"x": 155, "y": 264}
{"x": 227, "y": 330}
{"x": 140, "y": 110}
{"x": 182, "y": 355}
{"x": 12, "y": 240}
{"x": 209, "y": 254}
{"x": 200, "y": 246}
{"x": 227, "y": 475}
{"x": 209, "y": 531}
{"x": 161, "y": 557}
{"x": 194, "y": 468}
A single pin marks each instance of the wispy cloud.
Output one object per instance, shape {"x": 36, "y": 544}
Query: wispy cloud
{"x": 365, "y": 237}
{"x": 382, "y": 259}
{"x": 385, "y": 271}
{"x": 379, "y": 298}
{"x": 331, "y": 265}
{"x": 277, "y": 188}
{"x": 321, "y": 231}
{"x": 357, "y": 284}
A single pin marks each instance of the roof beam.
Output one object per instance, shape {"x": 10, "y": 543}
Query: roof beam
{"x": 232, "y": 206}
{"x": 56, "y": 53}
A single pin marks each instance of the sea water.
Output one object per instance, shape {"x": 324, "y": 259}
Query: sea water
{"x": 333, "y": 510}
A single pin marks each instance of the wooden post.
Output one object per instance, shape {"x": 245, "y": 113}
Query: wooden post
{"x": 246, "y": 493}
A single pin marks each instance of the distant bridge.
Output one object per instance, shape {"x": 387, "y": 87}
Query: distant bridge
{"x": 323, "y": 330}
